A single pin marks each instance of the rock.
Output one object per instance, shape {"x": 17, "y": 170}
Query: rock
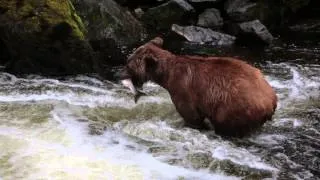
{"x": 162, "y": 150}
{"x": 295, "y": 5}
{"x": 200, "y": 159}
{"x": 273, "y": 13}
{"x": 240, "y": 10}
{"x": 258, "y": 29}
{"x": 105, "y": 19}
{"x": 231, "y": 168}
{"x": 111, "y": 29}
{"x": 210, "y": 18}
{"x": 44, "y": 36}
{"x": 309, "y": 26}
{"x": 203, "y": 35}
{"x": 163, "y": 16}
{"x": 98, "y": 128}
{"x": 138, "y": 12}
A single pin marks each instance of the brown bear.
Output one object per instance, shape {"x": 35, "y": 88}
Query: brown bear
{"x": 230, "y": 93}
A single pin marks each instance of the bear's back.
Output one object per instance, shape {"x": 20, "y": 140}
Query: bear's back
{"x": 231, "y": 92}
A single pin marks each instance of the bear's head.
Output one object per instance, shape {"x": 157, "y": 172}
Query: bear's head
{"x": 141, "y": 65}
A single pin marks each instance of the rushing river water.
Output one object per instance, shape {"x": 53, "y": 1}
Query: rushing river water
{"x": 85, "y": 128}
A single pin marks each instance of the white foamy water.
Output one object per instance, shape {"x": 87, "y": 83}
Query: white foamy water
{"x": 52, "y": 143}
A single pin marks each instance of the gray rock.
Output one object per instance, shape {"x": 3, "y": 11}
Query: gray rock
{"x": 200, "y": 159}
{"x": 210, "y": 18}
{"x": 162, "y": 150}
{"x": 163, "y": 16}
{"x": 232, "y": 168}
{"x": 257, "y": 28}
{"x": 240, "y": 10}
{"x": 295, "y": 5}
{"x": 106, "y": 19}
{"x": 139, "y": 12}
{"x": 310, "y": 26}
{"x": 98, "y": 128}
{"x": 203, "y": 35}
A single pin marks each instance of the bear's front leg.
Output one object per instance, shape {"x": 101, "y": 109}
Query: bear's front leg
{"x": 191, "y": 115}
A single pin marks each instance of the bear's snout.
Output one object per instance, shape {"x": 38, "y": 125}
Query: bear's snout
{"x": 122, "y": 74}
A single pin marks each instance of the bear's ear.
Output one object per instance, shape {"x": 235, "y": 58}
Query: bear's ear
{"x": 158, "y": 41}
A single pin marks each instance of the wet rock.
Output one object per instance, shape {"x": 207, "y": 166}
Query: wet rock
{"x": 203, "y": 35}
{"x": 200, "y": 159}
{"x": 82, "y": 120}
{"x": 258, "y": 29}
{"x": 240, "y": 10}
{"x": 210, "y": 18}
{"x": 105, "y": 19}
{"x": 273, "y": 13}
{"x": 45, "y": 36}
{"x": 175, "y": 161}
{"x": 139, "y": 12}
{"x": 308, "y": 26}
{"x": 244, "y": 171}
{"x": 295, "y": 5}
{"x": 163, "y": 16}
{"x": 98, "y": 128}
{"x": 162, "y": 150}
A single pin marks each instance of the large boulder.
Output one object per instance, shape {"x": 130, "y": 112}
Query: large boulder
{"x": 163, "y": 16}
{"x": 295, "y": 5}
{"x": 105, "y": 19}
{"x": 256, "y": 28}
{"x": 241, "y": 10}
{"x": 271, "y": 13}
{"x": 44, "y": 36}
{"x": 203, "y": 35}
{"x": 210, "y": 18}
{"x": 112, "y": 31}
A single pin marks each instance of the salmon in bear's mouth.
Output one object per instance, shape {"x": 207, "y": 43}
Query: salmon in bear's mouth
{"x": 137, "y": 94}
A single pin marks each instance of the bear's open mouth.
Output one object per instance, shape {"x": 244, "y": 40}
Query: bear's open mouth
{"x": 137, "y": 94}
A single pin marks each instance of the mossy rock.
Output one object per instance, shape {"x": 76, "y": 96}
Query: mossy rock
{"x": 39, "y": 13}
{"x": 45, "y": 36}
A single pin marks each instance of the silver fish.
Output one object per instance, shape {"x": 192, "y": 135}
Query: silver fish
{"x": 137, "y": 94}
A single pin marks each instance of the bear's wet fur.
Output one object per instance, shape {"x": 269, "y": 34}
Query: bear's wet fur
{"x": 232, "y": 94}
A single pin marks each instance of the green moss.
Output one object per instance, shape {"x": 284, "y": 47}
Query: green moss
{"x": 66, "y": 13}
{"x": 49, "y": 12}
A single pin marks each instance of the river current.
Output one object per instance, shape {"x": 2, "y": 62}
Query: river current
{"x": 82, "y": 127}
